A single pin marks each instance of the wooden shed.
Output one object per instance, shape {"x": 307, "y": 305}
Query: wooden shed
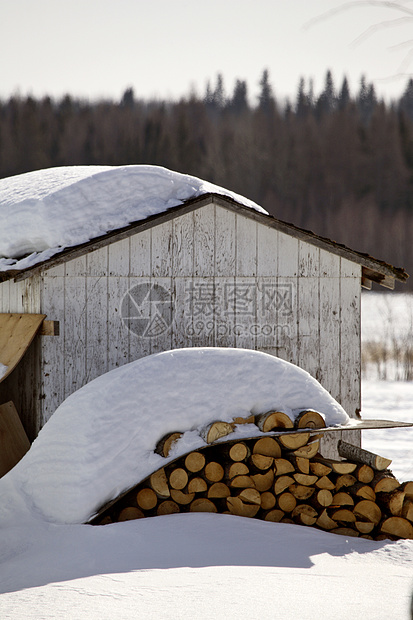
{"x": 209, "y": 272}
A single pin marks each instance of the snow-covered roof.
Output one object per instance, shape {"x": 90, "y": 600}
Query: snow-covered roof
{"x": 101, "y": 439}
{"x": 50, "y": 212}
{"x": 46, "y": 211}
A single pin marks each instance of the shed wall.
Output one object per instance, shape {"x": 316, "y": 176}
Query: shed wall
{"x": 227, "y": 281}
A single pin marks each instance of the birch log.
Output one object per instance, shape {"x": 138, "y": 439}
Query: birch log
{"x": 358, "y": 455}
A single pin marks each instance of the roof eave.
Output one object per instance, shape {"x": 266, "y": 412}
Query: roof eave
{"x": 373, "y": 270}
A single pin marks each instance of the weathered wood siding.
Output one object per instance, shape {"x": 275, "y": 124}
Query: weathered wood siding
{"x": 217, "y": 278}
{"x": 22, "y": 386}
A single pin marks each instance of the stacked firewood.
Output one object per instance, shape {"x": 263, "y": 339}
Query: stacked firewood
{"x": 279, "y": 478}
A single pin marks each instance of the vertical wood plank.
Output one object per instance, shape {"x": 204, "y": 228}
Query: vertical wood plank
{"x": 53, "y": 367}
{"x": 183, "y": 246}
{"x": 201, "y": 303}
{"x": 140, "y": 254}
{"x": 119, "y": 258}
{"x": 160, "y": 334}
{"x": 30, "y": 292}
{"x": 308, "y": 260}
{"x": 287, "y": 256}
{"x": 16, "y": 297}
{"x": 204, "y": 241}
{"x": 5, "y": 296}
{"x": 29, "y": 370}
{"x": 225, "y": 268}
{"x": 97, "y": 262}
{"x": 225, "y": 242}
{"x": 158, "y": 338}
{"x": 287, "y": 326}
{"x": 349, "y": 269}
{"x": 244, "y": 300}
{"x": 182, "y": 322}
{"x": 136, "y": 304}
{"x": 329, "y": 265}
{"x": 76, "y": 267}
{"x": 266, "y": 327}
{"x": 97, "y": 327}
{"x": 287, "y": 283}
{"x": 308, "y": 325}
{"x": 350, "y": 344}
{"x": 350, "y": 353}
{"x": 330, "y": 328}
{"x": 268, "y": 295}
{"x": 75, "y": 334}
{"x": 182, "y": 283}
{"x": 267, "y": 251}
{"x": 161, "y": 250}
{"x": 118, "y": 333}
{"x": 225, "y": 313}
{"x": 246, "y": 248}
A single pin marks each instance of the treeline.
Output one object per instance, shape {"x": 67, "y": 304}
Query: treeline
{"x": 336, "y": 163}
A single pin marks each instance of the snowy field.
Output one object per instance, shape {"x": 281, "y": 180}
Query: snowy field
{"x": 390, "y": 400}
{"x": 203, "y": 566}
{"x": 387, "y": 319}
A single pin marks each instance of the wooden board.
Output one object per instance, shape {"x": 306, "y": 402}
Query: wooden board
{"x": 16, "y": 334}
{"x": 354, "y": 425}
{"x": 13, "y": 439}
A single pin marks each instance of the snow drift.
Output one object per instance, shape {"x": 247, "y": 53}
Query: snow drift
{"x": 46, "y": 211}
{"x": 100, "y": 441}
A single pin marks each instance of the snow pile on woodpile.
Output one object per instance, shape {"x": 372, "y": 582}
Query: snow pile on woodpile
{"x": 46, "y": 211}
{"x": 101, "y": 441}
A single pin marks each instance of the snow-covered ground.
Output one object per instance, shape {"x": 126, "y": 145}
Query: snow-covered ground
{"x": 390, "y": 400}
{"x": 191, "y": 565}
{"x": 387, "y": 320}
{"x": 200, "y": 566}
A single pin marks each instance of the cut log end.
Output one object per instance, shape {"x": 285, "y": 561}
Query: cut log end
{"x": 309, "y": 419}
{"x": 273, "y": 420}
{"x": 216, "y": 430}
{"x": 194, "y": 462}
{"x": 164, "y": 445}
{"x": 397, "y": 526}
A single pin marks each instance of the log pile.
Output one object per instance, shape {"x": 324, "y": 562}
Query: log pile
{"x": 280, "y": 479}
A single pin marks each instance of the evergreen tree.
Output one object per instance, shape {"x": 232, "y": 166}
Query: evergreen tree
{"x": 128, "y": 98}
{"x": 219, "y": 92}
{"x": 266, "y": 98}
{"x": 326, "y": 102}
{"x": 208, "y": 98}
{"x": 406, "y": 100}
{"x": 366, "y": 101}
{"x": 343, "y": 99}
{"x": 239, "y": 101}
{"x": 303, "y": 106}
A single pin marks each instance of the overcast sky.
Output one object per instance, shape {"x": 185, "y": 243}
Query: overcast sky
{"x": 163, "y": 48}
